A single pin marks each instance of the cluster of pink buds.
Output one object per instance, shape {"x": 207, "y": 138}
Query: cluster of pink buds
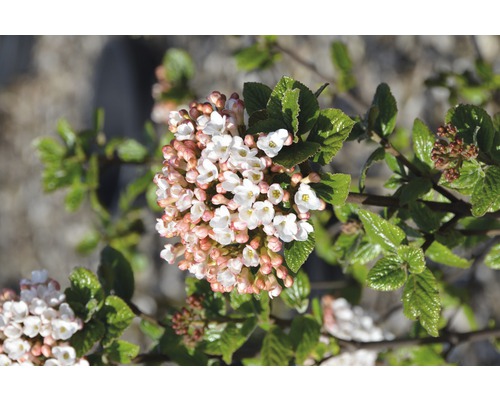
{"x": 190, "y": 321}
{"x": 227, "y": 201}
{"x": 36, "y": 325}
{"x": 450, "y": 151}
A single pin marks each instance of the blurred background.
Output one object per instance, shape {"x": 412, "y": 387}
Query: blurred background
{"x": 44, "y": 79}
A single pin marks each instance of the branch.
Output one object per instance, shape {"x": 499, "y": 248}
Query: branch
{"x": 143, "y": 315}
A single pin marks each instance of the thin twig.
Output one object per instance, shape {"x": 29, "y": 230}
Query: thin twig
{"x": 143, "y": 315}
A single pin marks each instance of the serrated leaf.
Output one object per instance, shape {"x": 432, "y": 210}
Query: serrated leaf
{"x": 297, "y": 296}
{"x": 297, "y": 252}
{"x": 425, "y": 218}
{"x": 291, "y": 109}
{"x": 333, "y": 188}
{"x": 421, "y": 301}
{"x": 470, "y": 173}
{"x": 414, "y": 257}
{"x": 423, "y": 142}
{"x": 414, "y": 189}
{"x": 386, "y": 110}
{"x": 308, "y": 103}
{"x": 122, "y": 352}
{"x": 377, "y": 155}
{"x": 486, "y": 193}
{"x": 75, "y": 196}
{"x": 115, "y": 274}
{"x": 473, "y": 124}
{"x": 290, "y": 156}
{"x": 304, "y": 335}
{"x": 276, "y": 348}
{"x": 266, "y": 126}
{"x": 387, "y": 274}
{"x": 130, "y": 150}
{"x": 492, "y": 259}
{"x": 85, "y": 295}
{"x": 117, "y": 316}
{"x": 256, "y": 96}
{"x": 331, "y": 130}
{"x": 441, "y": 254}
{"x": 365, "y": 252}
{"x": 381, "y": 231}
{"x": 84, "y": 340}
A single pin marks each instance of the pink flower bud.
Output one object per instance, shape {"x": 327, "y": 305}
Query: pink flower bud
{"x": 215, "y": 253}
{"x": 219, "y": 199}
{"x": 239, "y": 225}
{"x": 274, "y": 244}
{"x": 296, "y": 178}
{"x": 241, "y": 237}
{"x": 289, "y": 140}
{"x": 264, "y": 187}
{"x": 219, "y": 188}
{"x": 322, "y": 205}
{"x": 232, "y": 205}
{"x": 305, "y": 216}
{"x": 200, "y": 194}
{"x": 207, "y": 215}
{"x": 249, "y": 141}
{"x": 286, "y": 196}
{"x": 46, "y": 350}
{"x": 201, "y": 231}
{"x": 265, "y": 269}
{"x": 184, "y": 265}
{"x": 194, "y": 113}
{"x": 255, "y": 243}
{"x": 288, "y": 281}
{"x": 205, "y": 244}
{"x": 191, "y": 176}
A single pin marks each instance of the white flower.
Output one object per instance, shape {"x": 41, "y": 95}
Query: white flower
{"x": 4, "y": 320}
{"x": 254, "y": 175}
{"x": 197, "y": 209}
{"x": 13, "y": 331}
{"x": 185, "y": 201}
{"x": 208, "y": 171}
{"x": 66, "y": 312}
{"x": 221, "y": 218}
{"x": 18, "y": 310}
{"x": 231, "y": 181}
{"x": 65, "y": 355}
{"x": 221, "y": 148}
{"x": 39, "y": 276}
{"x": 254, "y": 163}
{"x": 240, "y": 152}
{"x": 273, "y": 142}
{"x": 303, "y": 230}
{"x": 168, "y": 254}
{"x": 174, "y": 119}
{"x": 264, "y": 211}
{"x": 185, "y": 131}
{"x": 51, "y": 362}
{"x": 269, "y": 229}
{"x": 32, "y": 326}
{"x": 198, "y": 269}
{"x": 249, "y": 215}
{"x": 5, "y": 361}
{"x": 160, "y": 227}
{"x": 223, "y": 236}
{"x": 226, "y": 278}
{"x": 246, "y": 193}
{"x": 63, "y": 330}
{"x": 16, "y": 348}
{"x": 216, "y": 125}
{"x": 306, "y": 199}
{"x": 275, "y": 193}
{"x": 250, "y": 257}
{"x": 286, "y": 226}
{"x": 202, "y": 121}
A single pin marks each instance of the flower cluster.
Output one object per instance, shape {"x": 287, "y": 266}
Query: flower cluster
{"x": 35, "y": 327}
{"x": 231, "y": 206}
{"x": 450, "y": 151}
{"x": 190, "y": 321}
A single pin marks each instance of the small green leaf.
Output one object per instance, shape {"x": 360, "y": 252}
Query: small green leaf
{"x": 492, "y": 259}
{"x": 297, "y": 296}
{"x": 92, "y": 176}
{"x": 297, "y": 252}
{"x": 331, "y": 130}
{"x": 115, "y": 274}
{"x": 414, "y": 257}
{"x": 49, "y": 150}
{"x": 385, "y": 105}
{"x": 75, "y": 196}
{"x": 486, "y": 193}
{"x": 421, "y": 301}
{"x": 470, "y": 173}
{"x": 66, "y": 133}
{"x": 84, "y": 340}
{"x": 266, "y": 126}
{"x": 381, "y": 231}
{"x": 237, "y": 300}
{"x": 377, "y": 155}
{"x": 122, "y": 352}
{"x": 276, "y": 348}
{"x": 135, "y": 189}
{"x": 151, "y": 330}
{"x": 179, "y": 66}
{"x": 308, "y": 103}
{"x": 414, "y": 189}
{"x": 85, "y": 295}
{"x": 117, "y": 316}
{"x": 257, "y": 56}
{"x": 304, "y": 335}
{"x": 387, "y": 274}
{"x": 423, "y": 142}
{"x": 131, "y": 150}
{"x": 290, "y": 156}
{"x": 441, "y": 254}
{"x": 425, "y": 218}
{"x": 256, "y": 96}
{"x": 291, "y": 109}
{"x": 343, "y": 63}
{"x": 89, "y": 242}
{"x": 333, "y": 188}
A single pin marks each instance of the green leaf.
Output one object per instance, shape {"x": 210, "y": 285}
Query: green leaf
{"x": 89, "y": 242}
{"x": 414, "y": 189}
{"x": 414, "y": 257}
{"x": 492, "y": 259}
{"x": 117, "y": 317}
{"x": 122, "y": 352}
{"x": 276, "y": 348}
{"x": 318, "y": 92}
{"x": 377, "y": 155}
{"x": 151, "y": 330}
{"x": 308, "y": 103}
{"x": 297, "y": 296}
{"x": 470, "y": 173}
{"x": 423, "y": 142}
{"x": 473, "y": 124}
{"x": 75, "y": 197}
{"x": 381, "y": 231}
{"x": 179, "y": 66}
{"x": 115, "y": 274}
{"x": 266, "y": 126}
{"x": 291, "y": 109}
{"x": 331, "y": 130}
{"x": 131, "y": 150}
{"x": 387, "y": 274}
{"x": 290, "y": 156}
{"x": 304, "y": 335}
{"x": 66, "y": 133}
{"x": 92, "y": 176}
{"x": 342, "y": 61}
{"x": 441, "y": 254}
{"x": 297, "y": 252}
{"x": 49, "y": 150}
{"x": 236, "y": 300}
{"x": 365, "y": 252}
{"x": 386, "y": 109}
{"x": 84, "y": 340}
{"x": 421, "y": 301}
{"x": 85, "y": 295}
{"x": 425, "y": 218}
{"x": 135, "y": 189}
{"x": 256, "y": 96}
{"x": 486, "y": 193}
{"x": 257, "y": 56}
{"x": 333, "y": 188}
